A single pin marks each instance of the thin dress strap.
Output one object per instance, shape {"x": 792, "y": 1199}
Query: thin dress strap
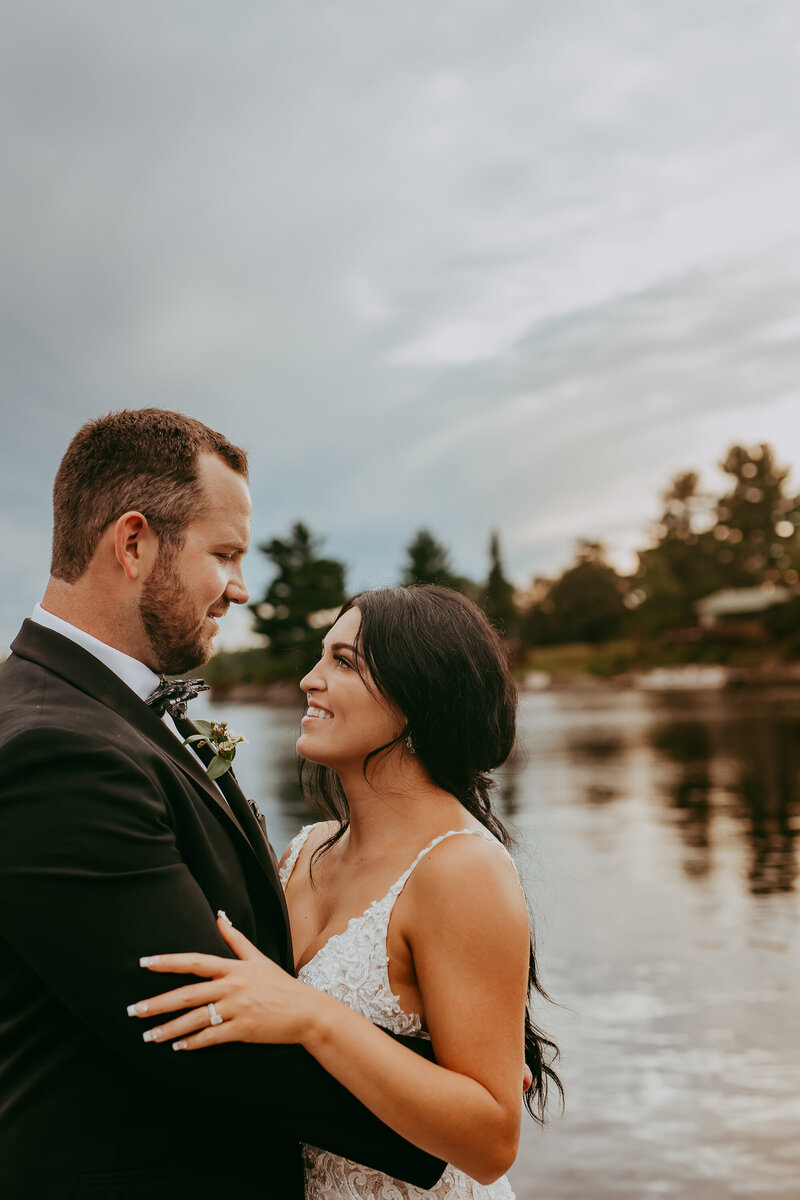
{"x": 401, "y": 882}
{"x": 295, "y": 847}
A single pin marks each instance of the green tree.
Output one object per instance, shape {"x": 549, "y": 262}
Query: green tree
{"x": 757, "y": 522}
{"x": 682, "y": 566}
{"x": 498, "y": 596}
{"x": 299, "y": 602}
{"x": 429, "y": 562}
{"x": 537, "y": 623}
{"x": 586, "y": 604}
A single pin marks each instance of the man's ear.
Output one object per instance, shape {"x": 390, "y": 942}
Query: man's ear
{"x": 135, "y": 544}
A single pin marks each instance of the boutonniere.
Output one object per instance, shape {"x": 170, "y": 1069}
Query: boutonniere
{"x": 217, "y": 735}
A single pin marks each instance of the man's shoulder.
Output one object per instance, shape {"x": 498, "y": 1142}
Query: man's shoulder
{"x": 34, "y": 693}
{"x": 27, "y": 696}
{"x": 60, "y": 745}
{"x": 15, "y": 672}
{"x": 37, "y": 706}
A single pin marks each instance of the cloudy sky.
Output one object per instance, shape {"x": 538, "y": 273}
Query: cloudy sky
{"x": 493, "y": 263}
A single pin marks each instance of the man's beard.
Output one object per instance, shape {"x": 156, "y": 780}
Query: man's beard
{"x": 169, "y": 619}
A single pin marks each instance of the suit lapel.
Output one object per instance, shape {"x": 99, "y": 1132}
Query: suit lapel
{"x": 86, "y": 673}
{"x": 256, "y": 831}
{"x": 239, "y": 805}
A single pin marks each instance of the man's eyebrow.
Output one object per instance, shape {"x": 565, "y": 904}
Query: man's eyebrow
{"x": 236, "y": 547}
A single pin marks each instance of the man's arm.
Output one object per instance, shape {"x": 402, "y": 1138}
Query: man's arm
{"x": 91, "y": 879}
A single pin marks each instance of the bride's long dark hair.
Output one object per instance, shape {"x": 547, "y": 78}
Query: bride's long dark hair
{"x": 435, "y": 655}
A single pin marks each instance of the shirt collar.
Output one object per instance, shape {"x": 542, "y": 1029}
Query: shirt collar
{"x": 139, "y": 678}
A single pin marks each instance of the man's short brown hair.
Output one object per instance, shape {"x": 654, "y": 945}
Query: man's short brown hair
{"x": 139, "y": 459}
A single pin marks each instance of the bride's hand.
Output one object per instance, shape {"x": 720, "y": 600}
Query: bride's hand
{"x": 254, "y": 999}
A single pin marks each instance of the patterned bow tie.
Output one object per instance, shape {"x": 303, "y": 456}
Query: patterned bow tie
{"x": 172, "y": 695}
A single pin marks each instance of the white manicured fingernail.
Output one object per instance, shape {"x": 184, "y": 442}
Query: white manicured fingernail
{"x": 151, "y": 1035}
{"x": 224, "y": 917}
{"x": 179, "y": 1045}
{"x": 139, "y": 1009}
{"x": 149, "y": 960}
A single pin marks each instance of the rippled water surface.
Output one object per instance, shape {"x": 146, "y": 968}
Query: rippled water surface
{"x": 657, "y": 835}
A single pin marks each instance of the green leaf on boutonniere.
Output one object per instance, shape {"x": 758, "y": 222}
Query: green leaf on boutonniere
{"x": 217, "y": 735}
{"x": 218, "y": 766}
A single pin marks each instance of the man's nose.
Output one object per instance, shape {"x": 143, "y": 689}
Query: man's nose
{"x": 237, "y": 591}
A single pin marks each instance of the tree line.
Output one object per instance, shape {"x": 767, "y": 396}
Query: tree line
{"x": 747, "y": 537}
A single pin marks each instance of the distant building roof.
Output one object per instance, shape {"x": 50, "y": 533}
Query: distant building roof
{"x": 739, "y": 602}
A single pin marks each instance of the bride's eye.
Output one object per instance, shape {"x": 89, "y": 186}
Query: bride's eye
{"x": 342, "y": 661}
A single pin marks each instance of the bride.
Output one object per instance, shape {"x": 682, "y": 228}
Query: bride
{"x": 405, "y": 908}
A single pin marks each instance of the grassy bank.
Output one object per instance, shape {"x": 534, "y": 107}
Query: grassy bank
{"x": 625, "y": 655}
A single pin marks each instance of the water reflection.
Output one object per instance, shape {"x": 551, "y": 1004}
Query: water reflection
{"x": 770, "y": 792}
{"x": 288, "y": 793}
{"x": 596, "y": 748}
{"x": 507, "y": 795}
{"x": 657, "y": 838}
{"x": 687, "y": 746}
{"x": 721, "y": 767}
{"x": 738, "y": 758}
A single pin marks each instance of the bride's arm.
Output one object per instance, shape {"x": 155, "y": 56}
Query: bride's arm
{"x": 466, "y": 924}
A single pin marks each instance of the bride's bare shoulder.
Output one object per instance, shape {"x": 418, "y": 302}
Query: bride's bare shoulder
{"x": 318, "y": 834}
{"x": 315, "y": 835}
{"x": 465, "y": 874}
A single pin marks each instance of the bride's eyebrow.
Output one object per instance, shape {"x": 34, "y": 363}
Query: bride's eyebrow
{"x": 343, "y": 646}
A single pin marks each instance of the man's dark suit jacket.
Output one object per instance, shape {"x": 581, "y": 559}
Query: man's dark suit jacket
{"x": 113, "y": 844}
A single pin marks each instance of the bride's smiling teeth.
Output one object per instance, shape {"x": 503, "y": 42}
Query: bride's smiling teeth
{"x": 313, "y": 711}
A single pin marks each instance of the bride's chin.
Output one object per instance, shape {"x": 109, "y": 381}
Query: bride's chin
{"x": 306, "y": 754}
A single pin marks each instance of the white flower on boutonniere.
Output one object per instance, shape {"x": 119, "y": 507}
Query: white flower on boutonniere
{"x": 217, "y": 735}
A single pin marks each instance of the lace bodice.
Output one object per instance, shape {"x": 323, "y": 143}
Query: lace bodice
{"x": 353, "y": 966}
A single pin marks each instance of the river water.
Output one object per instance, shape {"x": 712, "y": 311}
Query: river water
{"x": 657, "y": 839}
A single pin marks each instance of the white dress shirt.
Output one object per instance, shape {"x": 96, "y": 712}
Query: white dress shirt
{"x": 139, "y": 678}
{"x": 135, "y": 674}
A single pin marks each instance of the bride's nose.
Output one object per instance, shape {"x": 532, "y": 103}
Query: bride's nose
{"x": 313, "y": 681}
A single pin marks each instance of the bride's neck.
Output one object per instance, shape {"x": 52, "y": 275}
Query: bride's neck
{"x": 395, "y": 805}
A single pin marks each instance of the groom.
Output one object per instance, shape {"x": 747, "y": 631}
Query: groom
{"x": 114, "y": 844}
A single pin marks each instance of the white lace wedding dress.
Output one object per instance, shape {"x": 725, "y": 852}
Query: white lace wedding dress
{"x": 353, "y": 966}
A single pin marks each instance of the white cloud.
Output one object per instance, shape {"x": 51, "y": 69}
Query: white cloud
{"x": 464, "y": 266}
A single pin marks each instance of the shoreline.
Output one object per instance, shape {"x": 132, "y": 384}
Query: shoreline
{"x": 687, "y": 677}
{"x": 279, "y": 694}
{"x": 690, "y": 677}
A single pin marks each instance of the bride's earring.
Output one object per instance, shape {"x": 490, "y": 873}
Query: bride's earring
{"x": 410, "y": 745}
